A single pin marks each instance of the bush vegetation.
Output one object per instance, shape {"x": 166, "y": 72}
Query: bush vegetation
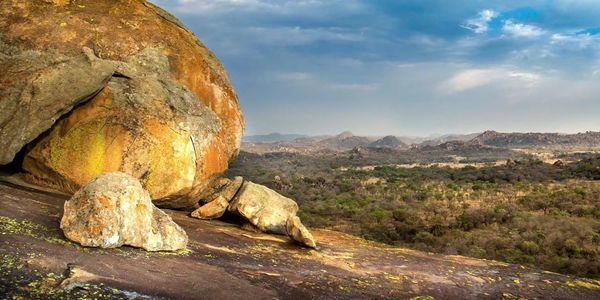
{"x": 525, "y": 211}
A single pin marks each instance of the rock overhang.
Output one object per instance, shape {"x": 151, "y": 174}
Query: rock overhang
{"x": 97, "y": 52}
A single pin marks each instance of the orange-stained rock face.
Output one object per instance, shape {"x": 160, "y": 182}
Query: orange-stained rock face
{"x": 117, "y": 29}
{"x": 157, "y": 59}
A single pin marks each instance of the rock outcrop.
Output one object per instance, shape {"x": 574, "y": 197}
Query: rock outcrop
{"x": 298, "y": 232}
{"x": 114, "y": 210}
{"x": 111, "y": 86}
{"x": 227, "y": 190}
{"x": 217, "y": 201}
{"x": 212, "y": 210}
{"x": 263, "y": 207}
{"x": 123, "y": 86}
{"x": 226, "y": 262}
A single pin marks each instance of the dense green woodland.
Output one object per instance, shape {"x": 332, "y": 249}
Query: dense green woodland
{"x": 525, "y": 211}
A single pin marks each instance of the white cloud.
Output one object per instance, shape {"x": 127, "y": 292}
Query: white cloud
{"x": 579, "y": 41}
{"x": 522, "y": 30}
{"x": 525, "y": 77}
{"x": 472, "y": 78}
{"x": 469, "y": 79}
{"x": 480, "y": 24}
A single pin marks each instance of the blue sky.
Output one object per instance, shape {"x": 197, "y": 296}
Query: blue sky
{"x": 415, "y": 67}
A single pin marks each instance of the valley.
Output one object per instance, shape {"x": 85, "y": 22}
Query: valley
{"x": 532, "y": 201}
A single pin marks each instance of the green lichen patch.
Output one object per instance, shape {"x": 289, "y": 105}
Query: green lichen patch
{"x": 584, "y": 283}
{"x": 30, "y": 229}
{"x": 182, "y": 252}
{"x": 19, "y": 280}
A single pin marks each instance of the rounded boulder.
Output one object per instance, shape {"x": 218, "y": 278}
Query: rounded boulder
{"x": 117, "y": 85}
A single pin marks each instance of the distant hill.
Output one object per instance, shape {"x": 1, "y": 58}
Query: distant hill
{"x": 449, "y": 138}
{"x": 389, "y": 141}
{"x": 498, "y": 139}
{"x": 344, "y": 141}
{"x": 272, "y": 137}
{"x": 455, "y": 146}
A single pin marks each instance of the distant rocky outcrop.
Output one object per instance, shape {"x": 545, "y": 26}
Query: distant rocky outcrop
{"x": 111, "y": 86}
{"x": 449, "y": 138}
{"x": 389, "y": 141}
{"x": 345, "y": 141}
{"x": 498, "y": 139}
{"x": 114, "y": 210}
{"x": 455, "y": 146}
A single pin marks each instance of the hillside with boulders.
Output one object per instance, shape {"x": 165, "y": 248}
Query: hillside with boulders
{"x": 118, "y": 127}
{"x": 498, "y": 139}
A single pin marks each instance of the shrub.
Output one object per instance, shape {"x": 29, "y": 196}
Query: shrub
{"x": 425, "y": 238}
{"x": 400, "y": 214}
{"x": 529, "y": 247}
{"x": 378, "y": 214}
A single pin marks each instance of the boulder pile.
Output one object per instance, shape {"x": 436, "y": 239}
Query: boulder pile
{"x": 119, "y": 103}
{"x": 262, "y": 207}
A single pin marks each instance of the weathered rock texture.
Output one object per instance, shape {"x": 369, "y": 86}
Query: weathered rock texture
{"x": 137, "y": 92}
{"x": 229, "y": 189}
{"x": 226, "y": 262}
{"x": 298, "y": 232}
{"x": 212, "y": 210}
{"x": 263, "y": 207}
{"x": 114, "y": 210}
{"x": 217, "y": 198}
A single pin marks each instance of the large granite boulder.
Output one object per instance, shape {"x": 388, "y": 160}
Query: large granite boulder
{"x": 114, "y": 210}
{"x": 113, "y": 85}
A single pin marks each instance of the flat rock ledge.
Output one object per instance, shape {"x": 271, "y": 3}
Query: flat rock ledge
{"x": 114, "y": 210}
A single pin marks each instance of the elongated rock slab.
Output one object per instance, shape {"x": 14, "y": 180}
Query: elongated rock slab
{"x": 263, "y": 207}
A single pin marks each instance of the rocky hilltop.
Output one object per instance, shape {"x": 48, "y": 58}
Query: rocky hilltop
{"x": 109, "y": 109}
{"x": 225, "y": 262}
{"x": 125, "y": 118}
{"x": 389, "y": 141}
{"x": 499, "y": 139}
{"x": 347, "y": 141}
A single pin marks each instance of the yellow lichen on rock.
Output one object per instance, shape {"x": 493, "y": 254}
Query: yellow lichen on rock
{"x": 82, "y": 153}
{"x": 163, "y": 109}
{"x": 172, "y": 161}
